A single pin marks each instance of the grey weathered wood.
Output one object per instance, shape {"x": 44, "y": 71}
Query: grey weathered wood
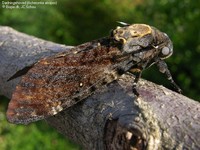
{"x": 113, "y": 117}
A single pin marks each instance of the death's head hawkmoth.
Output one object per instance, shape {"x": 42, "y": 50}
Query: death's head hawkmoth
{"x": 57, "y": 82}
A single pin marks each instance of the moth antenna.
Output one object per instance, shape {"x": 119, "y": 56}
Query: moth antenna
{"x": 123, "y": 23}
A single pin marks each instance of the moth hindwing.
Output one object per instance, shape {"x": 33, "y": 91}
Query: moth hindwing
{"x": 57, "y": 82}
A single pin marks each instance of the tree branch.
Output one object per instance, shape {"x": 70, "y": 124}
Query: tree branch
{"x": 112, "y": 118}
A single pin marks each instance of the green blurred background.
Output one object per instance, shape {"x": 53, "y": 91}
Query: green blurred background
{"x": 72, "y": 22}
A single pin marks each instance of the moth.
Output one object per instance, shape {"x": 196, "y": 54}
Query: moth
{"x": 57, "y": 82}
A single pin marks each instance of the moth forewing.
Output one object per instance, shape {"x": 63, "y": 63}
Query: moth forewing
{"x": 58, "y": 82}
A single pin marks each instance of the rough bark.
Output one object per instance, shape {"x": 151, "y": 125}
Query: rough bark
{"x": 112, "y": 118}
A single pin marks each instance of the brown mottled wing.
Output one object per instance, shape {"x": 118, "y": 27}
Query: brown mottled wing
{"x": 57, "y": 82}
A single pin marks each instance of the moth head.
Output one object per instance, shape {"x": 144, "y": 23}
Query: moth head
{"x": 166, "y": 50}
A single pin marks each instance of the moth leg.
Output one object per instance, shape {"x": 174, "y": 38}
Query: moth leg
{"x": 137, "y": 72}
{"x": 164, "y": 69}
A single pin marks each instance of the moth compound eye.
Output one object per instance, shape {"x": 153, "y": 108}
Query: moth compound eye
{"x": 166, "y": 52}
